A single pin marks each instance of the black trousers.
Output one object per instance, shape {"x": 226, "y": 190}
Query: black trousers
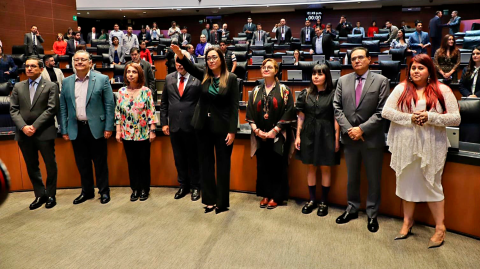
{"x": 138, "y": 159}
{"x": 185, "y": 153}
{"x": 436, "y": 42}
{"x": 30, "y": 147}
{"x": 272, "y": 172}
{"x": 210, "y": 146}
{"x": 373, "y": 161}
{"x": 87, "y": 149}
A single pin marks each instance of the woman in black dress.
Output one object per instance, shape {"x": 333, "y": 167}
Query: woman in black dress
{"x": 215, "y": 121}
{"x": 270, "y": 111}
{"x": 318, "y": 135}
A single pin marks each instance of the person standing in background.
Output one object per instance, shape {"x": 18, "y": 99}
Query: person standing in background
{"x": 435, "y": 27}
{"x": 33, "y": 41}
{"x": 307, "y": 33}
{"x": 92, "y": 35}
{"x": 393, "y": 32}
{"x": 344, "y": 28}
{"x": 130, "y": 40}
{"x": 249, "y": 28}
{"x": 454, "y": 23}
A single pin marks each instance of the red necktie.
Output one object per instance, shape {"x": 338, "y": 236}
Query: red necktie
{"x": 181, "y": 85}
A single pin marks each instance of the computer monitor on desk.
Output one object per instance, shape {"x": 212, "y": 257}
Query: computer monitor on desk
{"x": 465, "y": 57}
{"x": 384, "y": 57}
{"x": 294, "y": 75}
{"x": 257, "y": 60}
{"x": 288, "y": 59}
{"x": 335, "y": 74}
{"x": 258, "y": 43}
{"x": 319, "y": 59}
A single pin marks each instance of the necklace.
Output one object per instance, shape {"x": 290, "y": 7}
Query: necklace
{"x": 266, "y": 103}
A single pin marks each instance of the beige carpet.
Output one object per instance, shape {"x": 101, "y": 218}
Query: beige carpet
{"x": 166, "y": 233}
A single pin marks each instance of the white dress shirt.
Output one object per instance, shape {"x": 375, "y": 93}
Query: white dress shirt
{"x": 81, "y": 89}
{"x": 186, "y": 76}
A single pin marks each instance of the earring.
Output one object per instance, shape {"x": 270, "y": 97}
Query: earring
{"x": 410, "y": 78}
{"x": 428, "y": 80}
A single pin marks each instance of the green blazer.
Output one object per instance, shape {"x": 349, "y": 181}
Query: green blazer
{"x": 100, "y": 106}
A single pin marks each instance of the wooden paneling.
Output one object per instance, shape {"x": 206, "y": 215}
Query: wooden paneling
{"x": 12, "y": 25}
{"x": 44, "y": 25}
{"x": 61, "y": 26}
{"x": 61, "y": 12}
{"x": 13, "y": 7}
{"x": 39, "y": 9}
{"x": 70, "y": 3}
{"x": 10, "y": 155}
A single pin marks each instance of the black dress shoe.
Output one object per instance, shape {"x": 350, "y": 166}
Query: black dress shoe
{"x": 51, "y": 202}
{"x": 143, "y": 195}
{"x": 195, "y": 195}
{"x": 209, "y": 209}
{"x": 346, "y": 217}
{"x": 309, "y": 207}
{"x": 322, "y": 210}
{"x": 134, "y": 196}
{"x": 219, "y": 210}
{"x": 372, "y": 225}
{"x": 38, "y": 202}
{"x": 82, "y": 198}
{"x": 181, "y": 193}
{"x": 105, "y": 198}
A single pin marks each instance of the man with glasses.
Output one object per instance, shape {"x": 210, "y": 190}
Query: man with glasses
{"x": 230, "y": 58}
{"x": 322, "y": 44}
{"x": 362, "y": 133}
{"x": 147, "y": 70}
{"x": 33, "y": 106}
{"x": 87, "y": 117}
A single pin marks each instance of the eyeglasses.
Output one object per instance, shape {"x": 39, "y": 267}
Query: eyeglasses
{"x": 212, "y": 59}
{"x": 360, "y": 58}
{"x": 268, "y": 68}
{"x": 80, "y": 60}
{"x": 31, "y": 66}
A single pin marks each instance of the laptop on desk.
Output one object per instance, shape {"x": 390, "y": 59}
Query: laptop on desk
{"x": 465, "y": 57}
{"x": 320, "y": 59}
{"x": 257, "y": 60}
{"x": 295, "y": 75}
{"x": 386, "y": 57}
{"x": 288, "y": 59}
{"x": 335, "y": 74}
{"x": 258, "y": 43}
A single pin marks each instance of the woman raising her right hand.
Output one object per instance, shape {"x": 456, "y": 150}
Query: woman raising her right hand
{"x": 215, "y": 120}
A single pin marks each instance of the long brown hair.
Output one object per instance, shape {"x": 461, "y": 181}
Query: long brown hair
{"x": 454, "y": 51}
{"x": 321, "y": 69}
{"x": 223, "y": 68}
{"x": 471, "y": 65}
{"x": 432, "y": 90}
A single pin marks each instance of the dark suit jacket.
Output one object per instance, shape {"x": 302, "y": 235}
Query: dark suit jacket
{"x": 455, "y": 25}
{"x": 41, "y": 114}
{"x": 170, "y": 62}
{"x": 28, "y": 42}
{"x": 327, "y": 45}
{"x": 288, "y": 34}
{"x": 303, "y": 35}
{"x": 149, "y": 78}
{"x": 175, "y": 111}
{"x": 147, "y": 38}
{"x": 252, "y": 28}
{"x": 223, "y": 107}
{"x": 89, "y": 37}
{"x": 220, "y": 34}
{"x": 344, "y": 31}
{"x": 71, "y": 46}
{"x": 368, "y": 114}
{"x": 188, "y": 37}
{"x": 435, "y": 28}
{"x": 263, "y": 36}
{"x": 465, "y": 86}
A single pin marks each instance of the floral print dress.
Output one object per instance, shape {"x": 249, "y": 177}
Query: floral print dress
{"x": 135, "y": 114}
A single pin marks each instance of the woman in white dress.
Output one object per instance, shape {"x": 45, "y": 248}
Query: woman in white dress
{"x": 419, "y": 110}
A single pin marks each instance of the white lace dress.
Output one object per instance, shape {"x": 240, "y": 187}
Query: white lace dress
{"x": 419, "y": 152}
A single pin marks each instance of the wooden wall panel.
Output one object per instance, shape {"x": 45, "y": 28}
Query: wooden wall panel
{"x": 44, "y": 25}
{"x": 39, "y": 9}
{"x": 12, "y": 25}
{"x": 61, "y": 26}
{"x": 10, "y": 155}
{"x": 61, "y": 12}
{"x": 13, "y": 7}
{"x": 70, "y": 3}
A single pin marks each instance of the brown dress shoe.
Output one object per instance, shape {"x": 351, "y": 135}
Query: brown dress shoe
{"x": 271, "y": 204}
{"x": 264, "y": 203}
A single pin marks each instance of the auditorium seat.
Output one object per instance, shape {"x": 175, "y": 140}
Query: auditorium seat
{"x": 241, "y": 47}
{"x": 354, "y": 39}
{"x": 295, "y": 46}
{"x": 6, "y": 123}
{"x": 268, "y": 48}
{"x": 101, "y": 49}
{"x": 470, "y": 42}
{"x": 334, "y": 65}
{"x": 383, "y": 31}
{"x": 165, "y": 41}
{"x": 391, "y": 70}
{"x": 306, "y": 67}
{"x": 398, "y": 55}
{"x": 381, "y": 37}
{"x": 161, "y": 49}
{"x": 470, "y": 125}
{"x": 241, "y": 55}
{"x": 371, "y": 45}
{"x": 96, "y": 42}
{"x": 105, "y": 60}
{"x": 242, "y": 35}
{"x": 237, "y": 39}
{"x": 118, "y": 71}
{"x": 18, "y": 49}
{"x": 240, "y": 88}
{"x": 259, "y": 53}
{"x": 241, "y": 70}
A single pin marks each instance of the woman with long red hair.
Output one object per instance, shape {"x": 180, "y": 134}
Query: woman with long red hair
{"x": 419, "y": 110}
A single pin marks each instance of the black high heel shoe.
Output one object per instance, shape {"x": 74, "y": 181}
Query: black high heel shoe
{"x": 219, "y": 210}
{"x": 209, "y": 209}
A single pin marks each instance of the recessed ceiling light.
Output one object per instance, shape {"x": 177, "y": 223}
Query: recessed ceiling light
{"x": 144, "y": 12}
{"x": 88, "y": 12}
{"x": 124, "y": 16}
{"x": 78, "y": 13}
{"x": 120, "y": 9}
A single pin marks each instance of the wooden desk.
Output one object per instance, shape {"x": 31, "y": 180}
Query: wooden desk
{"x": 161, "y": 68}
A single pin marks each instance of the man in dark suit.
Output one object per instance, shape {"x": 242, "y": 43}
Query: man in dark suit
{"x": 307, "y": 33}
{"x": 259, "y": 35}
{"x": 344, "y": 28}
{"x": 184, "y": 38}
{"x": 92, "y": 35}
{"x": 79, "y": 29}
{"x": 73, "y": 43}
{"x": 358, "y": 104}
{"x": 33, "y": 106}
{"x": 33, "y": 41}
{"x": 191, "y": 50}
{"x": 284, "y": 34}
{"x": 454, "y": 23}
{"x": 224, "y": 33}
{"x": 249, "y": 28}
{"x": 179, "y": 99}
{"x": 147, "y": 71}
{"x": 322, "y": 44}
{"x": 435, "y": 27}
{"x": 87, "y": 116}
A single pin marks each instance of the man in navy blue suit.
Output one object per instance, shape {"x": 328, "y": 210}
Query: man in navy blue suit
{"x": 436, "y": 31}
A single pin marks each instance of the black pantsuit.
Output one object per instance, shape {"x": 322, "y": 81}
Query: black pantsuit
{"x": 138, "y": 159}
{"x": 272, "y": 172}
{"x": 185, "y": 153}
{"x": 30, "y": 148}
{"x": 214, "y": 148}
{"x": 87, "y": 149}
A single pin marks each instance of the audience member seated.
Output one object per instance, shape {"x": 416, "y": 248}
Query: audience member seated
{"x": 344, "y": 28}
{"x": 358, "y": 30}
{"x": 60, "y": 46}
{"x": 419, "y": 40}
{"x": 69, "y": 34}
{"x": 191, "y": 51}
{"x": 144, "y": 36}
{"x": 400, "y": 42}
{"x": 7, "y": 67}
{"x": 283, "y": 33}
{"x": 447, "y": 60}
{"x": 229, "y": 56}
{"x": 392, "y": 31}
{"x": 259, "y": 35}
{"x": 470, "y": 81}
{"x": 145, "y": 53}
{"x": 116, "y": 32}
{"x": 404, "y": 26}
{"x": 307, "y": 33}
{"x": 202, "y": 46}
{"x": 116, "y": 53}
{"x": 72, "y": 44}
{"x": 173, "y": 31}
{"x": 103, "y": 34}
{"x": 331, "y": 31}
{"x": 296, "y": 55}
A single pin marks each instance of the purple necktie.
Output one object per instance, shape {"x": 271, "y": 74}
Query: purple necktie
{"x": 358, "y": 91}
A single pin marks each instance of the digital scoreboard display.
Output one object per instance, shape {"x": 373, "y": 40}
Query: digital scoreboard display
{"x": 314, "y": 15}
